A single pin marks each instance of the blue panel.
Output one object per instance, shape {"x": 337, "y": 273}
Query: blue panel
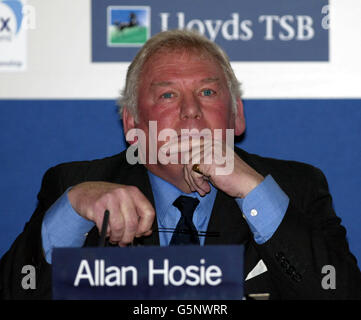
{"x": 38, "y": 134}
{"x": 258, "y": 30}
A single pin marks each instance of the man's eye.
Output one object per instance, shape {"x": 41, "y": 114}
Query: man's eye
{"x": 207, "y": 92}
{"x": 167, "y": 95}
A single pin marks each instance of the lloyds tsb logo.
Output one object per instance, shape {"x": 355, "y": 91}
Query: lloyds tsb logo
{"x": 128, "y": 26}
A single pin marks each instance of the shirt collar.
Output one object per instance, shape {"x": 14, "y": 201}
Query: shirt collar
{"x": 166, "y": 193}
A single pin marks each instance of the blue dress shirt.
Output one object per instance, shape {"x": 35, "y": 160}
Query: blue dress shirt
{"x": 263, "y": 208}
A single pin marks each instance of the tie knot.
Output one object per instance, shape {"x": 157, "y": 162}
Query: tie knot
{"x": 186, "y": 205}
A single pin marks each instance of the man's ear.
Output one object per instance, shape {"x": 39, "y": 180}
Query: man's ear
{"x": 128, "y": 120}
{"x": 240, "y": 121}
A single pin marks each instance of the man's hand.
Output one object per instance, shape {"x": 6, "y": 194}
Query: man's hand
{"x": 238, "y": 183}
{"x": 131, "y": 213}
{"x": 217, "y": 164}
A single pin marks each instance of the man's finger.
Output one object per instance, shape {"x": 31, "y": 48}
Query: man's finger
{"x": 131, "y": 220}
{"x": 187, "y": 179}
{"x": 145, "y": 212}
{"x": 199, "y": 182}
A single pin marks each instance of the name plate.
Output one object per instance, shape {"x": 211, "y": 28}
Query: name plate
{"x": 132, "y": 273}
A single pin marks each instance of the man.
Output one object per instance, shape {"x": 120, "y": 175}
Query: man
{"x": 280, "y": 210}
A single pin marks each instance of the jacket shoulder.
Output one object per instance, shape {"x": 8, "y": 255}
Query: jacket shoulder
{"x": 71, "y": 173}
{"x": 300, "y": 181}
{"x": 287, "y": 168}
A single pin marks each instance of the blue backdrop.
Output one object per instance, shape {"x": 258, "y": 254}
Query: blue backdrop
{"x": 37, "y": 134}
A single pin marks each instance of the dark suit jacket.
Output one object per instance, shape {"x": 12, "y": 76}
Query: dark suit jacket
{"x": 309, "y": 237}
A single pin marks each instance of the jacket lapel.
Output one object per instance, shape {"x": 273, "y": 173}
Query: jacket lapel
{"x": 226, "y": 225}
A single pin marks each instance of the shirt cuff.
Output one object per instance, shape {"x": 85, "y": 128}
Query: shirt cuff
{"x": 264, "y": 208}
{"x": 63, "y": 227}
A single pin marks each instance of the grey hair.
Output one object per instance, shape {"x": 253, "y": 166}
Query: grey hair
{"x": 170, "y": 41}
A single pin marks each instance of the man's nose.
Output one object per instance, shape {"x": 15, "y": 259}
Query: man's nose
{"x": 190, "y": 108}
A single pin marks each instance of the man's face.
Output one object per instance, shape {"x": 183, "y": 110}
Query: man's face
{"x": 184, "y": 90}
